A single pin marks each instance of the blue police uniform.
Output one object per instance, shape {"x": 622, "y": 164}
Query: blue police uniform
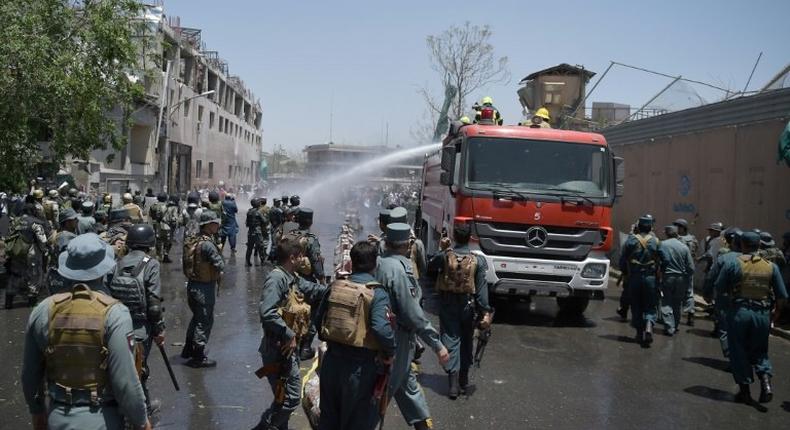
{"x": 640, "y": 255}
{"x": 677, "y": 267}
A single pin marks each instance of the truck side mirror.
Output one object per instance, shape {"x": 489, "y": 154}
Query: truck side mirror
{"x": 448, "y": 165}
{"x": 619, "y": 176}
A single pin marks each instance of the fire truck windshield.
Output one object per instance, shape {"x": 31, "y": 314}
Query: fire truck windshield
{"x": 538, "y": 166}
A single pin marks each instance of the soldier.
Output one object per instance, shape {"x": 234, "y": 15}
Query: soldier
{"x": 135, "y": 282}
{"x": 203, "y": 266}
{"x": 106, "y": 205}
{"x": 68, "y": 231}
{"x": 52, "y": 208}
{"x": 352, "y": 364}
{"x": 755, "y": 285}
{"x": 691, "y": 242}
{"x": 230, "y": 227}
{"x": 38, "y": 202}
{"x": 770, "y": 252}
{"x": 265, "y": 211}
{"x": 294, "y": 201}
{"x": 78, "y": 350}
{"x": 463, "y": 294}
{"x": 677, "y": 267}
{"x": 156, "y": 215}
{"x": 640, "y": 255}
{"x": 118, "y": 227}
{"x": 134, "y": 211}
{"x": 190, "y": 218}
{"x": 255, "y": 224}
{"x": 285, "y": 316}
{"x": 276, "y": 219}
{"x": 86, "y": 223}
{"x": 73, "y": 200}
{"x": 311, "y": 267}
{"x": 138, "y": 199}
{"x": 26, "y": 251}
{"x": 394, "y": 273}
{"x": 722, "y": 302}
{"x": 172, "y": 220}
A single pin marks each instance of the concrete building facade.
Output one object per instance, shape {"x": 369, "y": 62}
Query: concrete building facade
{"x": 334, "y": 158}
{"x": 210, "y": 129}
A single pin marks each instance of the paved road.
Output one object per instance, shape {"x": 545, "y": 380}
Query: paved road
{"x": 540, "y": 371}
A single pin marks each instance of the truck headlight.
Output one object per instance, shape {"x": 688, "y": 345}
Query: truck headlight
{"x": 594, "y": 271}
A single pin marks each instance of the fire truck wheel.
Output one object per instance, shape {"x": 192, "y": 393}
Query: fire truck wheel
{"x": 573, "y": 305}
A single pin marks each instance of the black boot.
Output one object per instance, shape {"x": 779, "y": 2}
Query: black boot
{"x": 455, "y": 390}
{"x": 199, "y": 359}
{"x": 167, "y": 259}
{"x": 623, "y": 314}
{"x": 424, "y": 425}
{"x": 247, "y": 263}
{"x": 306, "y": 351}
{"x": 647, "y": 339}
{"x": 31, "y": 301}
{"x": 690, "y": 320}
{"x": 744, "y": 395}
{"x": 9, "y": 301}
{"x": 463, "y": 380}
{"x": 766, "y": 392}
{"x": 188, "y": 350}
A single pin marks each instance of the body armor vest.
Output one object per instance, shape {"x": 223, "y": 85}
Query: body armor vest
{"x": 76, "y": 354}
{"x": 304, "y": 267}
{"x": 294, "y": 311}
{"x": 458, "y": 276}
{"x": 645, "y": 259}
{"x": 128, "y": 286}
{"x": 756, "y": 276}
{"x": 348, "y": 314}
{"x": 196, "y": 267}
{"x": 158, "y": 211}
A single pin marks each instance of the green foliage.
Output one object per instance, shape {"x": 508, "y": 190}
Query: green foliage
{"x": 63, "y": 81}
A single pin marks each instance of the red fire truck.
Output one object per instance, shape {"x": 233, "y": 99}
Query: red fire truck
{"x": 539, "y": 202}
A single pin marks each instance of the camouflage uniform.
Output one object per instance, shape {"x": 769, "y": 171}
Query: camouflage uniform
{"x": 26, "y": 272}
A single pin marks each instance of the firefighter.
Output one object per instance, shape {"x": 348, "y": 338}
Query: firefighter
{"x": 395, "y": 275}
{"x": 255, "y": 224}
{"x": 460, "y": 280}
{"x": 641, "y": 256}
{"x": 755, "y": 286}
{"x": 350, "y": 367}
{"x": 26, "y": 250}
{"x": 78, "y": 369}
{"x": 135, "y": 283}
{"x": 285, "y": 308}
{"x": 203, "y": 266}
{"x": 488, "y": 103}
{"x": 134, "y": 211}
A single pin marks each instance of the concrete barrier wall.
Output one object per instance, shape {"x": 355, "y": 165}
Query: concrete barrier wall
{"x": 727, "y": 174}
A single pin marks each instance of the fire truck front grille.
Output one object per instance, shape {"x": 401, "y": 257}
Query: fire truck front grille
{"x": 561, "y": 243}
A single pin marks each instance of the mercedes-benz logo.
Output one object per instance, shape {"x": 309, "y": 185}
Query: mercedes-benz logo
{"x": 537, "y": 237}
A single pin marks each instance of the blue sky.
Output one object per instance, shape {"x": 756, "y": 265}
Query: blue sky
{"x": 370, "y": 57}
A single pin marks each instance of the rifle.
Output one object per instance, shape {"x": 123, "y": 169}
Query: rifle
{"x": 380, "y": 395}
{"x": 169, "y": 368}
{"x": 483, "y": 336}
{"x": 279, "y": 388}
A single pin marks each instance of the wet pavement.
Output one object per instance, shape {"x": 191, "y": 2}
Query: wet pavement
{"x": 540, "y": 370}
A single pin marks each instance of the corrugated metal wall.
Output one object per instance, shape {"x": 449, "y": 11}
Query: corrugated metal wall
{"x": 713, "y": 163}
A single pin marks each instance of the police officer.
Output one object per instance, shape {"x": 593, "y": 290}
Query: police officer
{"x": 711, "y": 245}
{"x": 135, "y": 283}
{"x": 395, "y": 275}
{"x": 770, "y": 252}
{"x": 118, "y": 226}
{"x": 230, "y": 227}
{"x": 78, "y": 350}
{"x": 416, "y": 247}
{"x": 294, "y": 201}
{"x": 384, "y": 219}
{"x": 265, "y": 227}
{"x": 67, "y": 232}
{"x": 276, "y": 219}
{"x": 204, "y": 269}
{"x": 690, "y": 241}
{"x": 86, "y": 223}
{"x": 255, "y": 223}
{"x": 463, "y": 293}
{"x": 190, "y": 218}
{"x": 677, "y": 267}
{"x": 156, "y": 215}
{"x": 26, "y": 256}
{"x": 173, "y": 220}
{"x": 311, "y": 267}
{"x": 350, "y": 367}
{"x": 640, "y": 257}
{"x": 106, "y": 206}
{"x": 134, "y": 211}
{"x": 285, "y": 309}
{"x": 722, "y": 302}
{"x": 755, "y": 286}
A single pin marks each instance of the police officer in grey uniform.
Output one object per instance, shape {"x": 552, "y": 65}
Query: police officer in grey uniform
{"x": 640, "y": 258}
{"x": 136, "y": 284}
{"x": 47, "y": 370}
{"x": 722, "y": 302}
{"x": 384, "y": 219}
{"x": 280, "y": 342}
{"x": 458, "y": 309}
{"x": 201, "y": 293}
{"x": 68, "y": 228}
{"x": 26, "y": 271}
{"x": 690, "y": 241}
{"x": 677, "y": 267}
{"x": 394, "y": 273}
{"x": 86, "y": 223}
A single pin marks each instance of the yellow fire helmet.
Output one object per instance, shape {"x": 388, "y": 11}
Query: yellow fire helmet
{"x": 487, "y": 101}
{"x": 543, "y": 113}
{"x": 465, "y": 120}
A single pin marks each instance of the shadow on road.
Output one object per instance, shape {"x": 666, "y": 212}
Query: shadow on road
{"x": 699, "y": 332}
{"x": 786, "y": 406}
{"x": 438, "y": 383}
{"x": 619, "y": 338}
{"x": 710, "y": 393}
{"x": 521, "y": 314}
{"x": 713, "y": 363}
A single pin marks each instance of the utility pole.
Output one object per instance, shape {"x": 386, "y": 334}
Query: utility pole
{"x": 331, "y": 114}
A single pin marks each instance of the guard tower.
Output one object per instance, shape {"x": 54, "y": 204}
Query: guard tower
{"x": 559, "y": 89}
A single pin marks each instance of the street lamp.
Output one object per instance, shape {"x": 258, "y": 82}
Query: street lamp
{"x": 165, "y": 156}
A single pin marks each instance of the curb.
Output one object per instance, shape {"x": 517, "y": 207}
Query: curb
{"x": 700, "y": 304}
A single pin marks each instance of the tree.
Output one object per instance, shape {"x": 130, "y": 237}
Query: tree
{"x": 464, "y": 59}
{"x": 63, "y": 81}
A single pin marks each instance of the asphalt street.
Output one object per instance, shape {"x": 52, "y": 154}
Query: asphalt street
{"x": 540, "y": 371}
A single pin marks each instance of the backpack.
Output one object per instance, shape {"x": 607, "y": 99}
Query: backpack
{"x": 157, "y": 211}
{"x": 295, "y": 312}
{"x": 304, "y": 268}
{"x": 193, "y": 265}
{"x": 348, "y": 313}
{"x": 18, "y": 243}
{"x": 171, "y": 216}
{"x": 458, "y": 275}
{"x": 129, "y": 287}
